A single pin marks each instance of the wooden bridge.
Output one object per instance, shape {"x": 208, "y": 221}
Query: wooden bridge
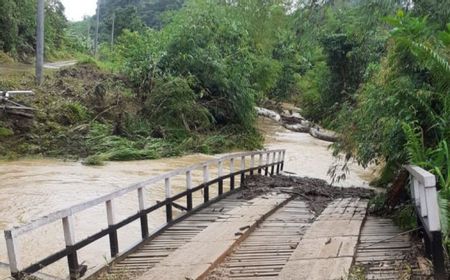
{"x": 219, "y": 235}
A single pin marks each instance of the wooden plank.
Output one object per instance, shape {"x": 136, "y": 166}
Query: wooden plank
{"x": 381, "y": 260}
{"x": 269, "y": 247}
{"x": 156, "y": 250}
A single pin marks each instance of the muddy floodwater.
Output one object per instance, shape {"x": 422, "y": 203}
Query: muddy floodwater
{"x": 33, "y": 188}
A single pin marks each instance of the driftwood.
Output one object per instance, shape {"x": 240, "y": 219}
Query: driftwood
{"x": 323, "y": 134}
{"x": 298, "y": 127}
{"x": 22, "y": 114}
{"x": 291, "y": 119}
{"x": 13, "y": 108}
{"x": 268, "y": 114}
{"x": 295, "y": 122}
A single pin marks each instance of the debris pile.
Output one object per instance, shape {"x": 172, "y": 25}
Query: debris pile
{"x": 295, "y": 122}
{"x": 315, "y": 191}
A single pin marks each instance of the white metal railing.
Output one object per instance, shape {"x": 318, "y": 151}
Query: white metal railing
{"x": 272, "y": 158}
{"x": 424, "y": 195}
{"x": 425, "y": 198}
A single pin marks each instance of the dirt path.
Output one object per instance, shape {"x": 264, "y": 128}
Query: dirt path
{"x": 59, "y": 64}
{"x": 8, "y": 69}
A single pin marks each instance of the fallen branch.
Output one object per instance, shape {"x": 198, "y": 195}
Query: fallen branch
{"x": 392, "y": 237}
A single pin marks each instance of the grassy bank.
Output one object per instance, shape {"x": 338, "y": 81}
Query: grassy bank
{"x": 89, "y": 113}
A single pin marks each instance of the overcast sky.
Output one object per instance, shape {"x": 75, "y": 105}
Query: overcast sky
{"x": 76, "y": 9}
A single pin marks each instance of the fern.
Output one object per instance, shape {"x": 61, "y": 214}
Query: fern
{"x": 437, "y": 63}
{"x": 414, "y": 145}
{"x": 443, "y": 212}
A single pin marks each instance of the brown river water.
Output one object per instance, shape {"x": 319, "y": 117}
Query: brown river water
{"x": 33, "y": 188}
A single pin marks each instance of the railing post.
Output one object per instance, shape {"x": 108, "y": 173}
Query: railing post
{"x": 232, "y": 174}
{"x": 252, "y": 163}
{"x": 434, "y": 226}
{"x": 267, "y": 164}
{"x": 278, "y": 162}
{"x": 423, "y": 235}
{"x": 282, "y": 159}
{"x": 69, "y": 238}
{"x": 189, "y": 190}
{"x": 260, "y": 163}
{"x": 205, "y": 183}
{"x": 242, "y": 170}
{"x": 423, "y": 202}
{"x": 220, "y": 174}
{"x": 13, "y": 256}
{"x": 437, "y": 254}
{"x": 169, "y": 216}
{"x": 272, "y": 168}
{"x": 113, "y": 240}
{"x": 144, "y": 218}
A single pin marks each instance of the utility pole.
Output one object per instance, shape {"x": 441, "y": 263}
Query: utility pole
{"x": 96, "y": 28}
{"x": 88, "y": 34}
{"x": 40, "y": 41}
{"x": 112, "y": 30}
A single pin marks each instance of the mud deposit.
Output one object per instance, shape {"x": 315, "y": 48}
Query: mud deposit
{"x": 317, "y": 192}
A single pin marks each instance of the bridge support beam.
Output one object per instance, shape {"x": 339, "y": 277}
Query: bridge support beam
{"x": 437, "y": 254}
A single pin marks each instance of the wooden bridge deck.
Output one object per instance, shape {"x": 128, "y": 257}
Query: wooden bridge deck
{"x": 153, "y": 251}
{"x": 264, "y": 253}
{"x": 276, "y": 249}
{"x": 380, "y": 257}
{"x": 281, "y": 240}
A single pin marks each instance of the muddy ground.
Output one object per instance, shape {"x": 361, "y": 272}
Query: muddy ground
{"x": 318, "y": 193}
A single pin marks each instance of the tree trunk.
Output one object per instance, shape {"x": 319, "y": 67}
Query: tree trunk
{"x": 97, "y": 23}
{"x": 397, "y": 189}
{"x": 112, "y": 30}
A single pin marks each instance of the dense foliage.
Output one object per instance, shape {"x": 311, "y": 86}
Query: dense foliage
{"x": 18, "y": 27}
{"x": 381, "y": 77}
{"x": 226, "y": 57}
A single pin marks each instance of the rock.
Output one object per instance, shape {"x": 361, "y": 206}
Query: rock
{"x": 268, "y": 114}
{"x": 307, "y": 123}
{"x": 297, "y": 115}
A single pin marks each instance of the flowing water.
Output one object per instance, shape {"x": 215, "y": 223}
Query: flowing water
{"x": 32, "y": 188}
